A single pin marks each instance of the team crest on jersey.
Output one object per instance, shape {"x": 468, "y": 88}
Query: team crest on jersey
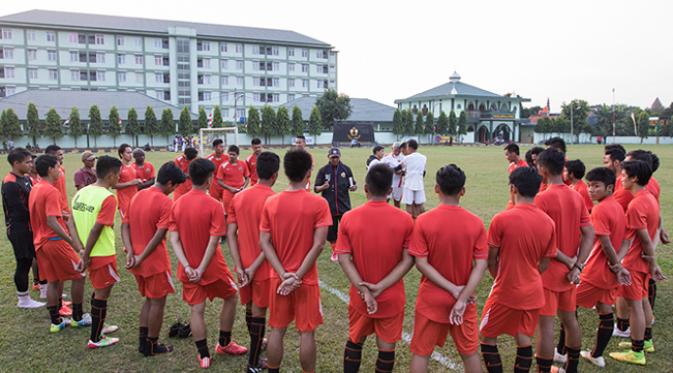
{"x": 343, "y": 174}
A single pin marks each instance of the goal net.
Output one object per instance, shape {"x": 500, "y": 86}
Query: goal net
{"x": 229, "y": 136}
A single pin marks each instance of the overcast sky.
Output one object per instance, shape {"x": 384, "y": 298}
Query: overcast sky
{"x": 388, "y": 50}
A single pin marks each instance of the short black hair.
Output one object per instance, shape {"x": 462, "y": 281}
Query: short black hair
{"x": 655, "y": 162}
{"x": 18, "y": 155}
{"x": 512, "y": 148}
{"x": 377, "y": 148}
{"x": 403, "y": 145}
{"x": 217, "y": 142}
{"x": 526, "y": 180}
{"x": 106, "y": 164}
{"x": 553, "y": 160}
{"x": 616, "y": 152}
{"x": 200, "y": 170}
{"x": 191, "y": 153}
{"x": 43, "y": 163}
{"x": 639, "y": 169}
{"x": 297, "y": 163}
{"x": 556, "y": 142}
{"x": 451, "y": 179}
{"x": 122, "y": 149}
{"x": 169, "y": 171}
{"x": 413, "y": 144}
{"x": 642, "y": 155}
{"x": 300, "y": 137}
{"x": 268, "y": 163}
{"x": 233, "y": 148}
{"x": 52, "y": 149}
{"x": 256, "y": 141}
{"x": 379, "y": 179}
{"x": 529, "y": 155}
{"x": 603, "y": 175}
{"x": 576, "y": 168}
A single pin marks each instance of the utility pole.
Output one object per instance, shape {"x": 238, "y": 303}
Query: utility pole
{"x": 614, "y": 124}
{"x": 572, "y": 123}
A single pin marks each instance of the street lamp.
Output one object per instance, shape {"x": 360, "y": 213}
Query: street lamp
{"x": 237, "y": 95}
{"x": 572, "y": 122}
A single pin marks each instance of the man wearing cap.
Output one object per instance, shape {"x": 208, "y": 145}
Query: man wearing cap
{"x": 394, "y": 161}
{"x": 334, "y": 181}
{"x": 86, "y": 175}
{"x": 144, "y": 169}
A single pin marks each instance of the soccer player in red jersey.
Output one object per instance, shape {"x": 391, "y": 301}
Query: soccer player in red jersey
{"x": 183, "y": 162}
{"x": 56, "y": 151}
{"x": 127, "y": 187}
{"x": 253, "y": 271}
{"x": 374, "y": 258}
{"x": 57, "y": 252}
{"x": 232, "y": 176}
{"x": 144, "y": 169}
{"x": 144, "y": 235}
{"x": 642, "y": 222}
{"x": 599, "y": 282}
{"x": 452, "y": 260}
{"x": 612, "y": 159}
{"x": 521, "y": 242}
{"x": 251, "y": 161}
{"x": 292, "y": 235}
{"x": 512, "y": 157}
{"x": 573, "y": 174}
{"x": 195, "y": 235}
{"x": 218, "y": 156}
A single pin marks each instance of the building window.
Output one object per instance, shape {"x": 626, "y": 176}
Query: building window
{"x": 239, "y": 81}
{"x": 51, "y": 55}
{"x": 120, "y": 41}
{"x": 164, "y": 43}
{"x": 158, "y": 77}
{"x": 100, "y": 39}
{"x": 203, "y": 46}
{"x": 121, "y": 59}
{"x": 158, "y": 60}
{"x": 74, "y": 56}
{"x": 224, "y": 80}
{"x": 224, "y": 96}
{"x": 83, "y": 76}
{"x": 304, "y": 83}
{"x": 276, "y": 66}
{"x": 290, "y": 83}
{"x": 262, "y": 50}
{"x": 276, "y": 82}
{"x": 304, "y": 52}
{"x": 53, "y": 74}
{"x": 239, "y": 48}
{"x": 290, "y": 97}
{"x": 72, "y": 37}
{"x": 81, "y": 39}
{"x": 32, "y": 73}
{"x": 9, "y": 72}
{"x": 224, "y": 64}
{"x": 304, "y": 67}
{"x": 290, "y": 67}
{"x": 204, "y": 96}
{"x": 32, "y": 54}
{"x": 324, "y": 84}
{"x": 7, "y": 53}
{"x": 6, "y": 33}
{"x": 32, "y": 35}
{"x": 166, "y": 61}
{"x": 121, "y": 77}
{"x": 100, "y": 76}
{"x": 139, "y": 59}
{"x": 325, "y": 69}
{"x": 223, "y": 47}
{"x": 239, "y": 65}
{"x": 100, "y": 57}
{"x": 290, "y": 52}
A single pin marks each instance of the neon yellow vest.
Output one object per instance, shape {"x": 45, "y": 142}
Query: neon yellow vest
{"x": 85, "y": 208}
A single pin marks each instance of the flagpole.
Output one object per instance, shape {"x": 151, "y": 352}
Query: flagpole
{"x": 614, "y": 124}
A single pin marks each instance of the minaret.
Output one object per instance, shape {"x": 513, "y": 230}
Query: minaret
{"x": 454, "y": 78}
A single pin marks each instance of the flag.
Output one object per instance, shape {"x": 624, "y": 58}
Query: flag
{"x": 547, "y": 107}
{"x": 210, "y": 119}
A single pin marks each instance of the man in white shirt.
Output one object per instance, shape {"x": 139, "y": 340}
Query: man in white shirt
{"x": 377, "y": 151}
{"x": 414, "y": 192}
{"x": 394, "y": 161}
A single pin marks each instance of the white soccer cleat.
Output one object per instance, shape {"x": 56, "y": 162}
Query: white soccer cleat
{"x": 597, "y": 361}
{"x": 558, "y": 358}
{"x": 25, "y": 301}
{"x": 616, "y": 332}
{"x": 109, "y": 329}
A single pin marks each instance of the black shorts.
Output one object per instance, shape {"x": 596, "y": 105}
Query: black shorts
{"x": 333, "y": 229}
{"x": 22, "y": 243}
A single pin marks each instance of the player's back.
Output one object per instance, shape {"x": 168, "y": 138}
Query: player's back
{"x": 149, "y": 209}
{"x": 642, "y": 213}
{"x": 246, "y": 211}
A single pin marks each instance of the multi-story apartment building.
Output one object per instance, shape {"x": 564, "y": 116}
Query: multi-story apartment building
{"x": 183, "y": 63}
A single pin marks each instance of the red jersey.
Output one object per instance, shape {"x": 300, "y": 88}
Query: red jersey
{"x": 44, "y": 200}
{"x": 245, "y": 210}
{"x": 232, "y": 174}
{"x": 185, "y": 187}
{"x": 149, "y": 211}
{"x": 292, "y": 217}
{"x": 581, "y": 188}
{"x": 376, "y": 250}
{"x": 144, "y": 172}
{"x": 251, "y": 161}
{"x": 450, "y": 249}
{"x": 195, "y": 226}
{"x": 514, "y": 165}
{"x": 642, "y": 213}
{"x": 215, "y": 190}
{"x": 622, "y": 195}
{"x": 60, "y": 185}
{"x": 128, "y": 173}
{"x": 654, "y": 188}
{"x": 525, "y": 235}
{"x": 608, "y": 219}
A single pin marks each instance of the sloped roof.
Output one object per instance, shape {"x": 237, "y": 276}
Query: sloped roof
{"x": 455, "y": 88}
{"x": 363, "y": 109}
{"x": 63, "y": 101}
{"x": 131, "y": 24}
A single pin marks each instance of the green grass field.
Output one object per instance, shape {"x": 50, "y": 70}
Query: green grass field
{"x": 26, "y": 345}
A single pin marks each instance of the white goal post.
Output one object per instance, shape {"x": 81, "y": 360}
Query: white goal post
{"x": 207, "y": 135}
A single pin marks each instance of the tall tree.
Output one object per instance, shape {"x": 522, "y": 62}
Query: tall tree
{"x": 132, "y": 125}
{"x": 577, "y": 113}
{"x": 75, "y": 124}
{"x": 443, "y": 124}
{"x": 35, "y": 126}
{"x": 429, "y": 126}
{"x": 3, "y": 126}
{"x": 398, "y": 123}
{"x": 462, "y": 125}
{"x": 419, "y": 128}
{"x": 453, "y": 124}
{"x": 114, "y": 125}
{"x": 283, "y": 123}
{"x": 253, "y": 127}
{"x": 203, "y": 118}
{"x": 167, "y": 126}
{"x": 408, "y": 122}
{"x": 185, "y": 123}
{"x": 151, "y": 124}
{"x": 95, "y": 124}
{"x": 217, "y": 117}
{"x": 643, "y": 119}
{"x": 333, "y": 107}
{"x": 12, "y": 127}
{"x": 268, "y": 122}
{"x": 315, "y": 124}
{"x": 53, "y": 126}
{"x": 297, "y": 122}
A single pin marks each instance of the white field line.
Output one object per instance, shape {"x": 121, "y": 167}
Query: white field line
{"x": 406, "y": 337}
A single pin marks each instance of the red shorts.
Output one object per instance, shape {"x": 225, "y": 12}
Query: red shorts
{"x": 589, "y": 295}
{"x": 103, "y": 271}
{"x": 497, "y": 319}
{"x": 428, "y": 334}
{"x": 156, "y": 286}
{"x": 58, "y": 262}
{"x": 387, "y": 329}
{"x": 638, "y": 288}
{"x": 559, "y": 301}
{"x": 196, "y": 294}
{"x": 256, "y": 292}
{"x": 227, "y": 196}
{"x": 302, "y": 305}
